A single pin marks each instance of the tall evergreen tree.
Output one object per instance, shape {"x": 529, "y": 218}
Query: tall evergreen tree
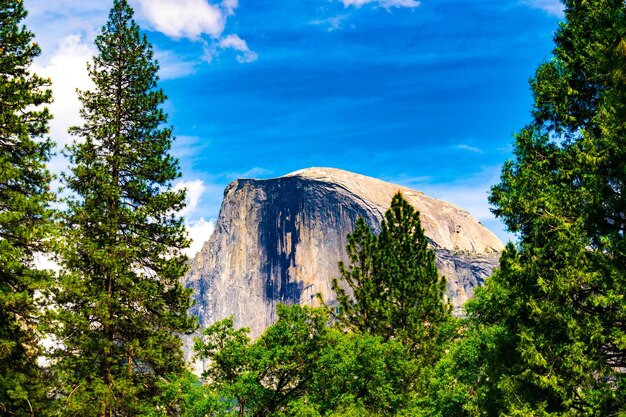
{"x": 559, "y": 298}
{"x": 120, "y": 304}
{"x": 397, "y": 290}
{"x": 24, "y": 214}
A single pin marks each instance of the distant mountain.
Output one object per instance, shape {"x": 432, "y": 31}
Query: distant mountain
{"x": 279, "y": 241}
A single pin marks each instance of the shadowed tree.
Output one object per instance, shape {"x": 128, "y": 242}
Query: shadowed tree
{"x": 24, "y": 213}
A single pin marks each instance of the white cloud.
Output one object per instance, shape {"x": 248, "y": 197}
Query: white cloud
{"x": 67, "y": 68}
{"x": 199, "y": 232}
{"x": 239, "y": 45}
{"x": 468, "y": 148}
{"x": 45, "y": 261}
{"x": 186, "y": 18}
{"x": 235, "y": 42}
{"x": 230, "y": 6}
{"x": 553, "y": 7}
{"x": 192, "y": 19}
{"x": 384, "y": 3}
{"x": 197, "y": 20}
{"x": 52, "y": 20}
{"x": 195, "y": 189}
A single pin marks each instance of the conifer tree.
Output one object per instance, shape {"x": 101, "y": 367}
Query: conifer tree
{"x": 120, "y": 303}
{"x": 559, "y": 298}
{"x": 24, "y": 214}
{"x": 397, "y": 290}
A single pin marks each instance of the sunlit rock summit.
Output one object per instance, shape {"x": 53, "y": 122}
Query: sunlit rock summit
{"x": 279, "y": 241}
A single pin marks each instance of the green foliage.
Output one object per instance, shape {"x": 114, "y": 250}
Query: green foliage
{"x": 185, "y": 396}
{"x": 24, "y": 213}
{"x": 263, "y": 377}
{"x": 559, "y": 298}
{"x": 120, "y": 304}
{"x": 363, "y": 373}
{"x": 397, "y": 291}
{"x": 301, "y": 367}
{"x": 461, "y": 384}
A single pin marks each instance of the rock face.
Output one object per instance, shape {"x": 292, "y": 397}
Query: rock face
{"x": 279, "y": 241}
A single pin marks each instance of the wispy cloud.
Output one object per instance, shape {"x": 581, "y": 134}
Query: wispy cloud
{"x": 468, "y": 148}
{"x": 331, "y": 23}
{"x": 553, "y": 7}
{"x": 173, "y": 66}
{"x": 189, "y": 149}
{"x": 255, "y": 172}
{"x": 383, "y": 3}
{"x": 236, "y": 43}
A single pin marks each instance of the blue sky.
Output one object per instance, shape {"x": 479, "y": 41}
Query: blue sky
{"x": 425, "y": 94}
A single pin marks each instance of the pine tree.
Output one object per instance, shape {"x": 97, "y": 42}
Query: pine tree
{"x": 24, "y": 213}
{"x": 397, "y": 290}
{"x": 120, "y": 304}
{"x": 559, "y": 298}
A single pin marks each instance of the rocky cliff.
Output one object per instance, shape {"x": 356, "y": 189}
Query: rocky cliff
{"x": 279, "y": 241}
